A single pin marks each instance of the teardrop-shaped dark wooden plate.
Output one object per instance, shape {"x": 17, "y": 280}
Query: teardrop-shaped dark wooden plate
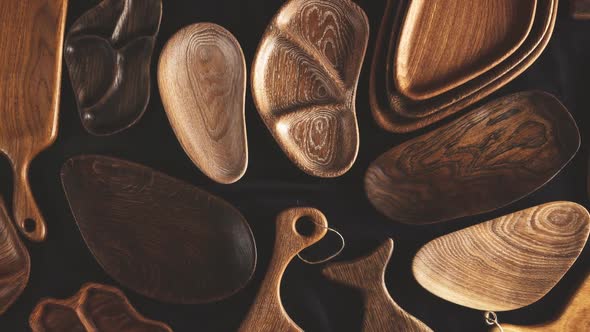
{"x": 108, "y": 54}
{"x": 202, "y": 80}
{"x": 485, "y": 160}
{"x": 580, "y": 9}
{"x": 506, "y": 263}
{"x": 156, "y": 235}
{"x": 304, "y": 81}
{"x": 96, "y": 308}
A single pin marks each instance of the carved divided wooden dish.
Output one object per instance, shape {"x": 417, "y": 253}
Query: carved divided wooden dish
{"x": 202, "y": 79}
{"x": 439, "y": 49}
{"x": 304, "y": 82}
{"x": 485, "y": 160}
{"x": 96, "y": 308}
{"x": 108, "y": 53}
{"x": 162, "y": 238}
{"x": 368, "y": 275}
{"x": 506, "y": 263}
{"x": 267, "y": 314}
{"x": 30, "y": 71}
{"x": 580, "y": 9}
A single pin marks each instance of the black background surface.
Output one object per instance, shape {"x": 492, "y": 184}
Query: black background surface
{"x": 62, "y": 264}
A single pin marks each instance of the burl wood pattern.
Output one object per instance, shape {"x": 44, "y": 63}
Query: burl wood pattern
{"x": 96, "y": 308}
{"x": 508, "y": 262}
{"x": 368, "y": 275}
{"x": 108, "y": 53}
{"x": 267, "y": 314}
{"x": 304, "y": 81}
{"x": 158, "y": 236}
{"x": 443, "y": 44}
{"x": 202, "y": 79}
{"x": 15, "y": 264}
{"x": 580, "y": 9}
{"x": 487, "y": 159}
{"x": 30, "y": 75}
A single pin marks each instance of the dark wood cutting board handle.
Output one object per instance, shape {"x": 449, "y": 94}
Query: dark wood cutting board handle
{"x": 27, "y": 216}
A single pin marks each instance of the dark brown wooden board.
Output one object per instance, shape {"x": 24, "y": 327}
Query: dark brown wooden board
{"x": 156, "y": 235}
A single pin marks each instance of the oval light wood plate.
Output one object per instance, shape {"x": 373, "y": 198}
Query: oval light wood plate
{"x": 444, "y": 44}
{"x": 485, "y": 160}
{"x": 158, "y": 236}
{"x": 304, "y": 82}
{"x": 202, "y": 80}
{"x": 506, "y": 263}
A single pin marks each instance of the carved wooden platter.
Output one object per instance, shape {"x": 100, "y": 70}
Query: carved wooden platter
{"x": 580, "y": 9}
{"x": 30, "y": 71}
{"x": 485, "y": 160}
{"x": 304, "y": 81}
{"x": 368, "y": 275}
{"x": 202, "y": 79}
{"x": 508, "y": 262}
{"x": 108, "y": 53}
{"x": 96, "y": 308}
{"x": 158, "y": 236}
{"x": 444, "y": 44}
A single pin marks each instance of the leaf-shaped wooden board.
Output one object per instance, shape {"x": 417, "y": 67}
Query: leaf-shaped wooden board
{"x": 161, "y": 237}
{"x": 580, "y": 9}
{"x": 202, "y": 80}
{"x": 485, "y": 160}
{"x": 108, "y": 54}
{"x": 95, "y": 308}
{"x": 304, "y": 81}
{"x": 508, "y": 262}
{"x": 368, "y": 275}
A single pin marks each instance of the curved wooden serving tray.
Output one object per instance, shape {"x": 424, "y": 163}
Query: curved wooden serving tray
{"x": 202, "y": 79}
{"x": 161, "y": 237}
{"x": 443, "y": 44}
{"x": 304, "y": 82}
{"x": 267, "y": 314}
{"x": 108, "y": 53}
{"x": 580, "y": 9}
{"x": 30, "y": 71}
{"x": 506, "y": 263}
{"x": 368, "y": 275}
{"x": 96, "y": 308}
{"x": 485, "y": 160}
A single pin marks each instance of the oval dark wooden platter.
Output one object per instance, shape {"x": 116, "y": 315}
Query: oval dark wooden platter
{"x": 202, "y": 80}
{"x": 108, "y": 53}
{"x": 487, "y": 159}
{"x": 506, "y": 263}
{"x": 304, "y": 81}
{"x": 95, "y": 308}
{"x": 156, "y": 235}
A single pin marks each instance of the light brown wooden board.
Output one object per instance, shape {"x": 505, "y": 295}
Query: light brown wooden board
{"x": 508, "y": 262}
{"x": 368, "y": 275}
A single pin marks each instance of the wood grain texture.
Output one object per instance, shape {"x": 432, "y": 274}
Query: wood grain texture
{"x": 485, "y": 160}
{"x": 202, "y": 80}
{"x": 30, "y": 78}
{"x": 95, "y": 308}
{"x": 267, "y": 314}
{"x": 108, "y": 54}
{"x": 158, "y": 236}
{"x": 443, "y": 44}
{"x": 368, "y": 275}
{"x": 508, "y": 262}
{"x": 580, "y": 9}
{"x": 304, "y": 82}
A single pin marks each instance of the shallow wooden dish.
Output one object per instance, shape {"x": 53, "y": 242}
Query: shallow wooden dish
{"x": 506, "y": 263}
{"x": 162, "y": 238}
{"x": 487, "y": 159}
{"x": 202, "y": 80}
{"x": 439, "y": 49}
{"x": 580, "y": 9}
{"x": 304, "y": 82}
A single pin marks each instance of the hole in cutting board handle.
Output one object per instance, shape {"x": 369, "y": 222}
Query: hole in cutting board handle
{"x": 30, "y": 225}
{"x": 305, "y": 226}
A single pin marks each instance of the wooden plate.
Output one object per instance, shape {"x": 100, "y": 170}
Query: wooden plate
{"x": 162, "y": 238}
{"x": 580, "y": 9}
{"x": 202, "y": 79}
{"x": 444, "y": 44}
{"x": 304, "y": 81}
{"x": 485, "y": 160}
{"x": 506, "y": 263}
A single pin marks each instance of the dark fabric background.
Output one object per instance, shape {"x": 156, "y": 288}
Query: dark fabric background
{"x": 63, "y": 263}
